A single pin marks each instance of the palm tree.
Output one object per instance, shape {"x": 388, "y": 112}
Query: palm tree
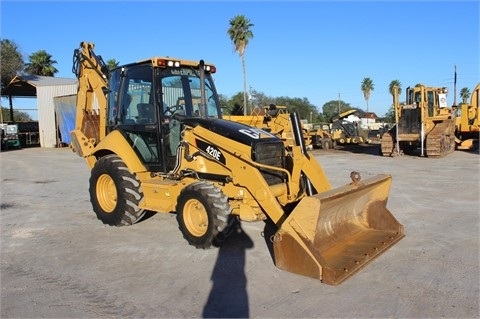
{"x": 240, "y": 33}
{"x": 41, "y": 63}
{"x": 367, "y": 87}
{"x": 465, "y": 95}
{"x": 395, "y": 83}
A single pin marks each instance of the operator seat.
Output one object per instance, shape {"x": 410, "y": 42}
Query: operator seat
{"x": 146, "y": 113}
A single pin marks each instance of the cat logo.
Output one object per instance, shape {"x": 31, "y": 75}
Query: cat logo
{"x": 255, "y": 133}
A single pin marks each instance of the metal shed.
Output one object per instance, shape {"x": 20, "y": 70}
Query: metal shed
{"x": 45, "y": 88}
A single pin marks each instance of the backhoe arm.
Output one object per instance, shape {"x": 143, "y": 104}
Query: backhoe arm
{"x": 92, "y": 74}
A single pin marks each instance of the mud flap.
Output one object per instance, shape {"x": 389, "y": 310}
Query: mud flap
{"x": 330, "y": 236}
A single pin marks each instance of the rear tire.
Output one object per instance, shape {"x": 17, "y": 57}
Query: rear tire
{"x": 202, "y": 213}
{"x": 325, "y": 144}
{"x": 115, "y": 192}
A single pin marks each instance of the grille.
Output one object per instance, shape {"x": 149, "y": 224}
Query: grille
{"x": 270, "y": 153}
{"x": 410, "y": 121}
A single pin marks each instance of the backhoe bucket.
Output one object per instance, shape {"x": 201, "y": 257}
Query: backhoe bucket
{"x": 330, "y": 236}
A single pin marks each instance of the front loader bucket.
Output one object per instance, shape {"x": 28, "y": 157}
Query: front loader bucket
{"x": 330, "y": 236}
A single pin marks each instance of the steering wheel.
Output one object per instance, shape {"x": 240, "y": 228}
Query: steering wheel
{"x": 172, "y": 109}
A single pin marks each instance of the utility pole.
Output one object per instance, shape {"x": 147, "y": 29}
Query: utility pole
{"x": 250, "y": 99}
{"x": 455, "y": 88}
{"x": 338, "y": 104}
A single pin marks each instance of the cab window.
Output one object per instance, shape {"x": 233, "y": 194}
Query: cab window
{"x": 138, "y": 105}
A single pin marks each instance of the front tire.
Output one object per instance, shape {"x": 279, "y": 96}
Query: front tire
{"x": 202, "y": 213}
{"x": 115, "y": 192}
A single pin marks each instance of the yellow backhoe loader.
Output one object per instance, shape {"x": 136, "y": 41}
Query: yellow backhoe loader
{"x": 467, "y": 123}
{"x": 276, "y": 120}
{"x": 148, "y": 152}
{"x": 423, "y": 122}
{"x": 346, "y": 132}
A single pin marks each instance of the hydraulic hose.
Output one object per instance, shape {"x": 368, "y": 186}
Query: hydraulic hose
{"x": 299, "y": 141}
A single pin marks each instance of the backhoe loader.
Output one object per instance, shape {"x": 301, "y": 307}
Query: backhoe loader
{"x": 151, "y": 148}
{"x": 276, "y": 120}
{"x": 346, "y": 132}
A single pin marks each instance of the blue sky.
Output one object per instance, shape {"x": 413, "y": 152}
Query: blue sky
{"x": 301, "y": 49}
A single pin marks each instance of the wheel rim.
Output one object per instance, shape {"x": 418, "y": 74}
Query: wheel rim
{"x": 195, "y": 217}
{"x": 106, "y": 193}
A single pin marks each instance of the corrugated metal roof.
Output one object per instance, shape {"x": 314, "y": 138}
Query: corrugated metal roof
{"x": 25, "y": 85}
{"x": 37, "y": 80}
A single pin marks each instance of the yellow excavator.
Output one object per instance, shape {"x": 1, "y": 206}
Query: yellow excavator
{"x": 151, "y": 147}
{"x": 467, "y": 123}
{"x": 423, "y": 122}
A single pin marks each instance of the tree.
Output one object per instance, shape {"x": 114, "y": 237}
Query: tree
{"x": 41, "y": 63}
{"x": 259, "y": 98}
{"x": 465, "y": 95}
{"x": 17, "y": 115}
{"x": 367, "y": 87}
{"x": 233, "y": 106}
{"x": 12, "y": 61}
{"x": 389, "y": 117}
{"x": 112, "y": 64}
{"x": 331, "y": 108}
{"x": 240, "y": 33}
{"x": 394, "y": 83}
{"x": 305, "y": 109}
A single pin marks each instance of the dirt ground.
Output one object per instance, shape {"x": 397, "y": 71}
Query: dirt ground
{"x": 59, "y": 261}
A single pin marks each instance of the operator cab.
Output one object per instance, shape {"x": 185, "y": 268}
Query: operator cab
{"x": 148, "y": 100}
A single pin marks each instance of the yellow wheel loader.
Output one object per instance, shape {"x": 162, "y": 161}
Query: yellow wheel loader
{"x": 148, "y": 152}
{"x": 423, "y": 122}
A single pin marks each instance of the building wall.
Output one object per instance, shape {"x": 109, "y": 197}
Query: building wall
{"x": 46, "y": 111}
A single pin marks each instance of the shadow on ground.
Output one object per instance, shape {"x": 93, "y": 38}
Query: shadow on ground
{"x": 369, "y": 149}
{"x": 228, "y": 297}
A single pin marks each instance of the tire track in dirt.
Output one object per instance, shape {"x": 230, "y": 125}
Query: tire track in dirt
{"x": 100, "y": 301}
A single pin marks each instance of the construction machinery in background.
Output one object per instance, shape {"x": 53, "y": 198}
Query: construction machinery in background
{"x": 276, "y": 120}
{"x": 321, "y": 137}
{"x": 467, "y": 123}
{"x": 147, "y": 153}
{"x": 10, "y": 138}
{"x": 345, "y": 131}
{"x": 423, "y": 122}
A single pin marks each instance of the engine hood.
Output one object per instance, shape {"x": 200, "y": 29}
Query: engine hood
{"x": 235, "y": 131}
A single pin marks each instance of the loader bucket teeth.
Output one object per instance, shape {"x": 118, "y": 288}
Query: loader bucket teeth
{"x": 331, "y": 235}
